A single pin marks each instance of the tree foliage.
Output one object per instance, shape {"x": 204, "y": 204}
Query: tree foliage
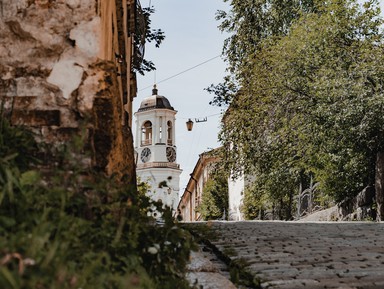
{"x": 214, "y": 204}
{"x": 145, "y": 34}
{"x": 311, "y": 97}
{"x": 250, "y": 22}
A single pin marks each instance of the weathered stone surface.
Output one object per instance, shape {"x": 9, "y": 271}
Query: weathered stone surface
{"x": 24, "y": 102}
{"x": 210, "y": 280}
{"x": 36, "y": 117}
{"x": 53, "y": 80}
{"x": 18, "y": 31}
{"x": 200, "y": 263}
{"x": 92, "y": 82}
{"x": 206, "y": 275}
{"x": 305, "y": 255}
{"x": 60, "y": 134}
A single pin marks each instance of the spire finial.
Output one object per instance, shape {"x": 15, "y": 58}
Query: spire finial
{"x": 154, "y": 90}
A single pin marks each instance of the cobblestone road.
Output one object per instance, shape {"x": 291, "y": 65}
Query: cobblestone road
{"x": 306, "y": 255}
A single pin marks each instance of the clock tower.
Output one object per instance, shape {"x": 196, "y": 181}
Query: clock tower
{"x": 156, "y": 148}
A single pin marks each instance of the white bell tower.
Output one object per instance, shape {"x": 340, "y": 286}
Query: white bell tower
{"x": 156, "y": 147}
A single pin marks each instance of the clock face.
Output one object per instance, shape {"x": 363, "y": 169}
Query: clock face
{"x": 171, "y": 154}
{"x": 145, "y": 155}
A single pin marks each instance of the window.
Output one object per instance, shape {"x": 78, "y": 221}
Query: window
{"x": 169, "y": 139}
{"x": 160, "y": 130}
{"x": 146, "y": 133}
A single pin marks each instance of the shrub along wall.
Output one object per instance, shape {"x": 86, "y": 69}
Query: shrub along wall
{"x": 77, "y": 228}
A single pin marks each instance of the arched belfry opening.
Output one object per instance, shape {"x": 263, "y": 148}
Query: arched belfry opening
{"x": 146, "y": 133}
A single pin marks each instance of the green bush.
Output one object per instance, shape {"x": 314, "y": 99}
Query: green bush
{"x": 71, "y": 227}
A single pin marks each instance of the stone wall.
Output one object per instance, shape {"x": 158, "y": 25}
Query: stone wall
{"x": 359, "y": 208}
{"x": 56, "y": 80}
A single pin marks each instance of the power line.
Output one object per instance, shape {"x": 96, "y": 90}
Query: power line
{"x": 206, "y": 116}
{"x": 184, "y": 71}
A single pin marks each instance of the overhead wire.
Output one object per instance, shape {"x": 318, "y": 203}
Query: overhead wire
{"x": 177, "y": 74}
{"x": 182, "y": 72}
{"x": 206, "y": 116}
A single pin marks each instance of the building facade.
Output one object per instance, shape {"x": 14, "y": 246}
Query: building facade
{"x": 236, "y": 189}
{"x": 66, "y": 69}
{"x": 155, "y": 145}
{"x": 192, "y": 196}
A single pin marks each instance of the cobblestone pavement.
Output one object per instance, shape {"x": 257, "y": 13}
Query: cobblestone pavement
{"x": 305, "y": 255}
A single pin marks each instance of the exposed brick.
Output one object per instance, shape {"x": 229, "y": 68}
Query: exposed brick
{"x": 65, "y": 133}
{"x": 36, "y": 117}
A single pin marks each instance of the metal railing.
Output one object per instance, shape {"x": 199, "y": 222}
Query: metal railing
{"x": 305, "y": 200}
{"x": 146, "y": 142}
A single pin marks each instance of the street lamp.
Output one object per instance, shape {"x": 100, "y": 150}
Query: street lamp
{"x": 189, "y": 124}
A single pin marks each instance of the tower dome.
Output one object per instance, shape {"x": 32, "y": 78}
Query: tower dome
{"x": 155, "y": 101}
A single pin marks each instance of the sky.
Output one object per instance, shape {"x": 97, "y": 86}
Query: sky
{"x": 192, "y": 38}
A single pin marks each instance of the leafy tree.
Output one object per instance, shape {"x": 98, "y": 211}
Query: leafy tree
{"x": 214, "y": 202}
{"x": 145, "y": 34}
{"x": 249, "y": 22}
{"x": 311, "y": 103}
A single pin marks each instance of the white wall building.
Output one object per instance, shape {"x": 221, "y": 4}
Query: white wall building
{"x": 156, "y": 147}
{"x": 236, "y": 194}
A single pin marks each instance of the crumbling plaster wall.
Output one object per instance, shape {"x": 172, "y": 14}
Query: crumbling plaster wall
{"x": 53, "y": 80}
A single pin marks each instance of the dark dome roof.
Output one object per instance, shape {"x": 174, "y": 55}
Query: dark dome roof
{"x": 155, "y": 101}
